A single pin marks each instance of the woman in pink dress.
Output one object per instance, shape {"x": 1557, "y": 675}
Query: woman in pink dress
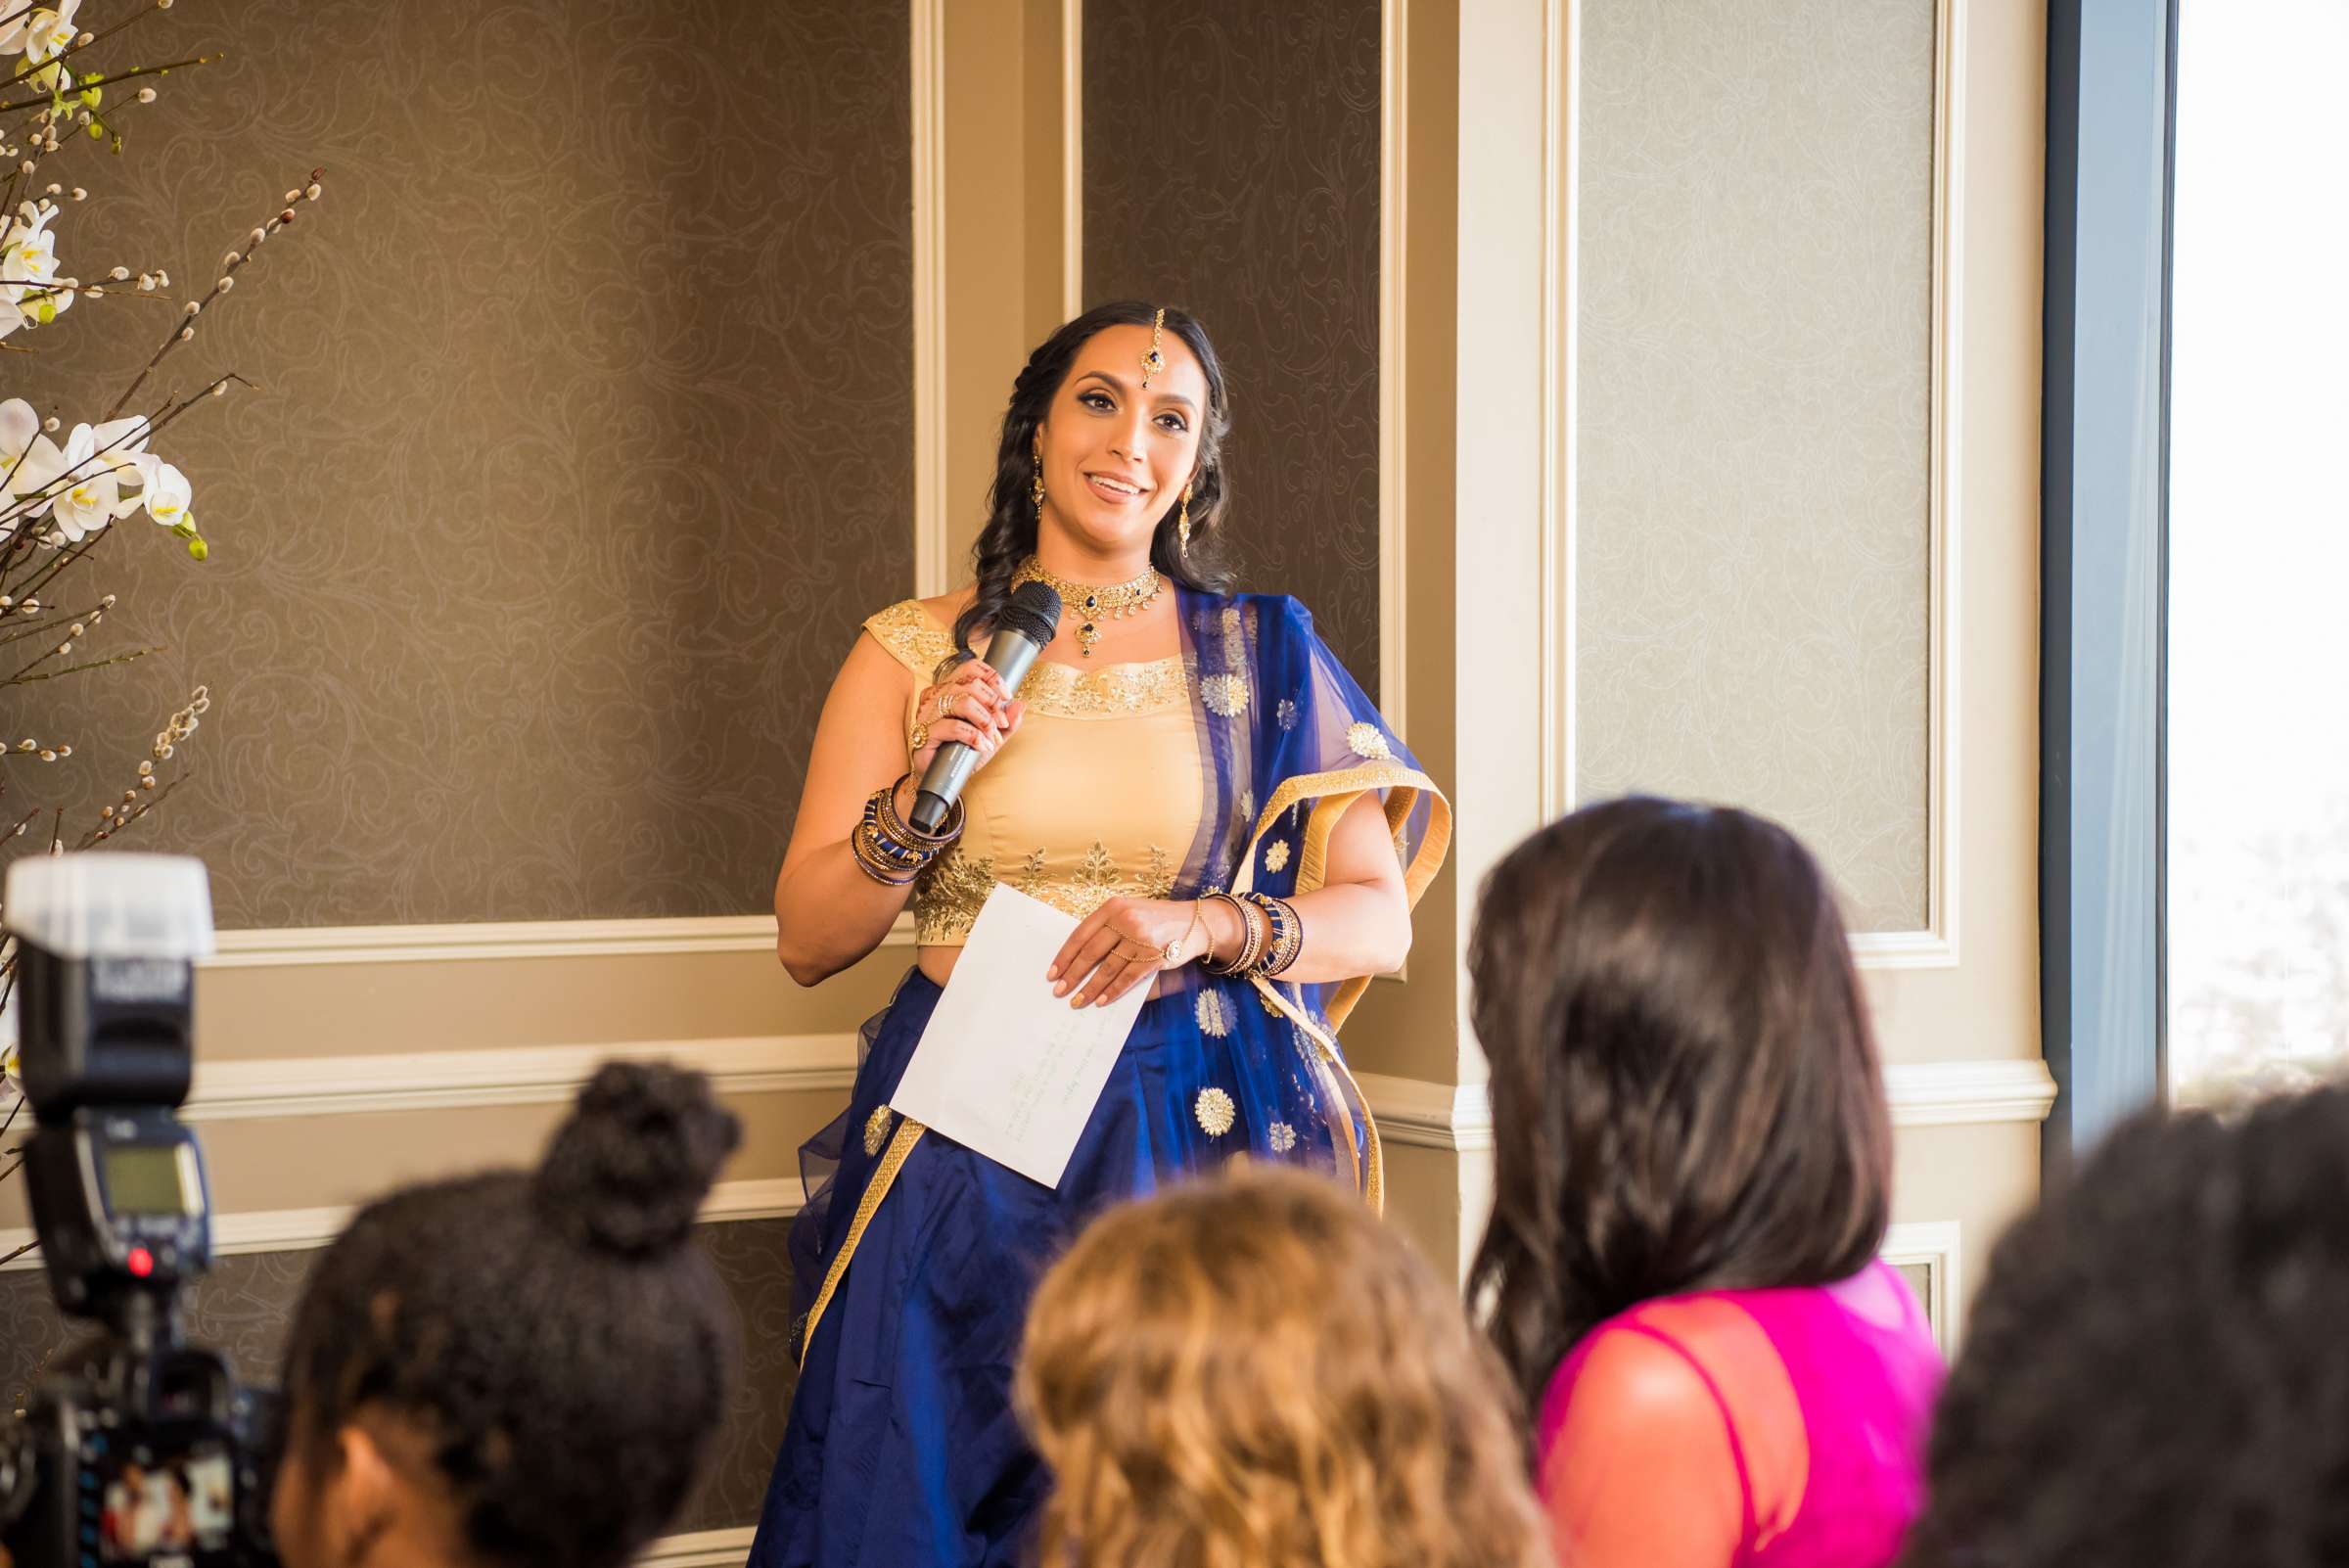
{"x": 1691, "y": 1174}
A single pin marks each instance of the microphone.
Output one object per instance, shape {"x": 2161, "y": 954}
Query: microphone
{"x": 1021, "y": 629}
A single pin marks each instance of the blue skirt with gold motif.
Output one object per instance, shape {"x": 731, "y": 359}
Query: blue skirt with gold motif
{"x": 902, "y": 1450}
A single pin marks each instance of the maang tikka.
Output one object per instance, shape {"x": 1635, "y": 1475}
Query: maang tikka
{"x": 1154, "y": 363}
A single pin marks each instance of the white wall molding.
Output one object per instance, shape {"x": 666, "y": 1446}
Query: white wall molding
{"x": 515, "y": 1075}
{"x": 933, "y": 563}
{"x": 1968, "y": 1093}
{"x": 1561, "y": 338}
{"x": 307, "y": 1229}
{"x": 276, "y": 948}
{"x": 1936, "y": 945}
{"x": 1421, "y": 1115}
{"x": 1412, "y": 1112}
{"x": 1939, "y": 1245}
{"x": 701, "y": 1549}
{"x": 1393, "y": 146}
{"x": 1072, "y": 159}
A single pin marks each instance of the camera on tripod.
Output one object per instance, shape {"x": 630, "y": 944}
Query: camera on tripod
{"x": 136, "y": 1446}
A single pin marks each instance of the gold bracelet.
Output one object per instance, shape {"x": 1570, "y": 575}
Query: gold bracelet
{"x": 1174, "y": 953}
{"x": 1252, "y": 937}
{"x": 1214, "y": 965}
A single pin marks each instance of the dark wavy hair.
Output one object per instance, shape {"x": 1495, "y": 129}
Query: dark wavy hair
{"x": 1009, "y": 536}
{"x": 2155, "y": 1374}
{"x": 1685, "y": 1091}
{"x": 553, "y": 1336}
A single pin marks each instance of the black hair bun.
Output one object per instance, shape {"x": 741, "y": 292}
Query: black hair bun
{"x": 628, "y": 1170}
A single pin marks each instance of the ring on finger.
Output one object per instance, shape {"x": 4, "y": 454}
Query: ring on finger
{"x": 918, "y": 739}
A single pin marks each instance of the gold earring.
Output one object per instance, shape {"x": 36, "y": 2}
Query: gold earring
{"x": 1183, "y": 525}
{"x": 1036, "y": 487}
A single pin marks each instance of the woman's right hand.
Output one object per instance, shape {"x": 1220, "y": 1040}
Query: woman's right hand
{"x": 970, "y": 707}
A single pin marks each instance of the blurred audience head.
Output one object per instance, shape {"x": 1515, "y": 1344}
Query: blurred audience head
{"x": 517, "y": 1368}
{"x": 2155, "y": 1371}
{"x": 1685, "y": 1092}
{"x": 1254, "y": 1371}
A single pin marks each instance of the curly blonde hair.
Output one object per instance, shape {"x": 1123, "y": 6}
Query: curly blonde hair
{"x": 1255, "y": 1373}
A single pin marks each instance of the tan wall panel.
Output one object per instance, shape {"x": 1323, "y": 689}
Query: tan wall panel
{"x": 1981, "y": 1178}
{"x": 1423, "y": 1200}
{"x": 480, "y": 1004}
{"x": 1755, "y": 371}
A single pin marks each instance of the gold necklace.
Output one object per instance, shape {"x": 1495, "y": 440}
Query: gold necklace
{"x": 1092, "y": 603}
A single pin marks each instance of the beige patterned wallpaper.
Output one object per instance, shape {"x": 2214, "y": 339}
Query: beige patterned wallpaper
{"x": 1755, "y": 373}
{"x": 582, "y": 446}
{"x": 1232, "y": 166}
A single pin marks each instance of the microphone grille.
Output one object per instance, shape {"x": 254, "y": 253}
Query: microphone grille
{"x": 1034, "y": 612}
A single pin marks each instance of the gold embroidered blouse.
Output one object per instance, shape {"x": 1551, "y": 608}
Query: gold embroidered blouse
{"x": 1097, "y": 796}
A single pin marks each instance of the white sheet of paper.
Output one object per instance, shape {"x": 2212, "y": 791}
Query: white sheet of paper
{"x": 1005, "y": 1067}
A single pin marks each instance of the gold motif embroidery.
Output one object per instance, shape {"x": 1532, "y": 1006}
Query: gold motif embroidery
{"x": 1283, "y": 1138}
{"x": 1362, "y": 738}
{"x": 1225, "y": 695}
{"x": 876, "y": 1130}
{"x": 1215, "y": 1111}
{"x": 1113, "y": 691}
{"x": 948, "y": 899}
{"x": 1215, "y": 1014}
{"x": 909, "y": 631}
{"x": 1277, "y": 855}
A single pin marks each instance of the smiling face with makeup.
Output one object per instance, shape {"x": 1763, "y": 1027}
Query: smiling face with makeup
{"x": 1116, "y": 456}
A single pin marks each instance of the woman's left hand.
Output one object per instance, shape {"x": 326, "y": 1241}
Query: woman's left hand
{"x": 1124, "y": 943}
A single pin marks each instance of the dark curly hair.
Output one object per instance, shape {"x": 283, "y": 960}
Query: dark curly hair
{"x": 1685, "y": 1091}
{"x": 1009, "y": 536}
{"x": 2155, "y": 1371}
{"x": 551, "y": 1336}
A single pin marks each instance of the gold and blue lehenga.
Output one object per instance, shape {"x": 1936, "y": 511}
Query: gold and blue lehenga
{"x": 915, "y": 1258}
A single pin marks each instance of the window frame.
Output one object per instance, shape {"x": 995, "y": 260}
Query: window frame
{"x": 2104, "y": 562}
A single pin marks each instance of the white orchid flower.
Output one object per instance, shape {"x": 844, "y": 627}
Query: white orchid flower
{"x": 28, "y": 263}
{"x": 49, "y": 33}
{"x": 19, "y": 425}
{"x": 167, "y": 495}
{"x": 92, "y": 489}
{"x": 122, "y": 447}
{"x": 46, "y": 464}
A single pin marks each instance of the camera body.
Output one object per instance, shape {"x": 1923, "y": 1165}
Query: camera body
{"x": 136, "y": 1447}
